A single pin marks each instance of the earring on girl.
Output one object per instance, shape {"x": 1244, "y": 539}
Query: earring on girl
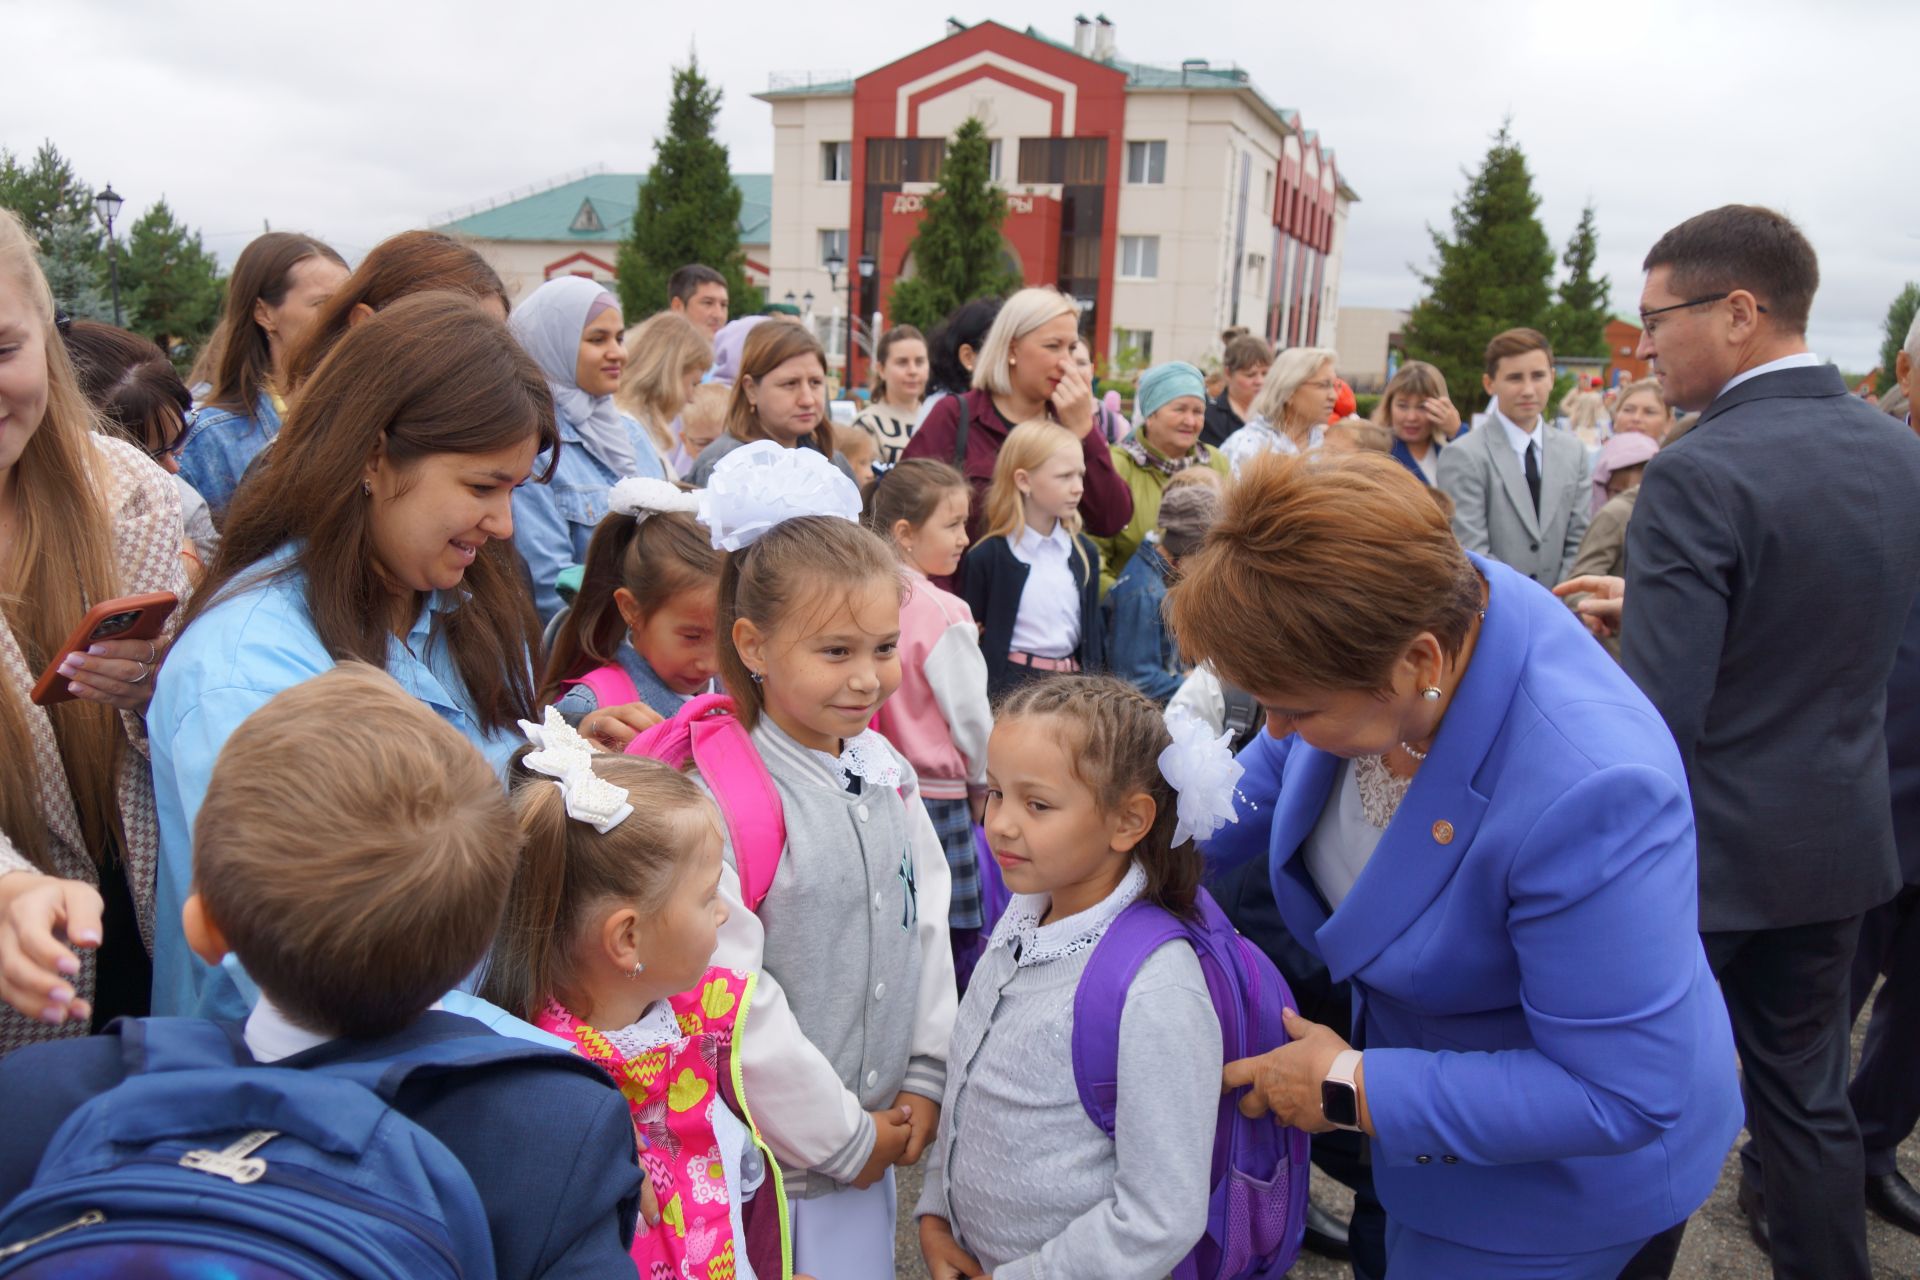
{"x": 636, "y": 971}
{"x": 366, "y": 488}
{"x": 757, "y": 677}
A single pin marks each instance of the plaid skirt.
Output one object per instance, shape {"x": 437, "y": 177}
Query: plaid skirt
{"x": 953, "y": 823}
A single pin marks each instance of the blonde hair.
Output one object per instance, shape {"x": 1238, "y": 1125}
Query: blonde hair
{"x": 570, "y": 870}
{"x": 58, "y": 563}
{"x": 1581, "y": 408}
{"x": 707, "y": 407}
{"x": 1290, "y": 371}
{"x": 1361, "y": 433}
{"x": 1026, "y": 448}
{"x": 662, "y": 353}
{"x": 1418, "y": 379}
{"x": 1019, "y": 316}
{"x": 355, "y": 851}
{"x": 1644, "y": 387}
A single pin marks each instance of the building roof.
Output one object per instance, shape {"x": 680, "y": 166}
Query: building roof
{"x": 598, "y": 208}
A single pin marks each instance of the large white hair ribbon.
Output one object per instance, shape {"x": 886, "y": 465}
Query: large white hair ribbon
{"x": 563, "y": 755}
{"x": 1203, "y": 773}
{"x": 760, "y": 485}
{"x": 644, "y": 496}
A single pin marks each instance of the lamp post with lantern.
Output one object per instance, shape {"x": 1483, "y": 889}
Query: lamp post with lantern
{"x": 107, "y": 205}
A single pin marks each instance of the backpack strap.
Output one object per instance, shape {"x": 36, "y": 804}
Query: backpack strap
{"x": 960, "y": 434}
{"x": 1136, "y": 933}
{"x": 707, "y": 732}
{"x": 611, "y": 685}
{"x": 1243, "y": 714}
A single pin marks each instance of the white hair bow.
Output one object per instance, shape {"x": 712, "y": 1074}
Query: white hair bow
{"x": 563, "y": 755}
{"x": 645, "y": 496}
{"x": 760, "y": 485}
{"x": 1203, "y": 773}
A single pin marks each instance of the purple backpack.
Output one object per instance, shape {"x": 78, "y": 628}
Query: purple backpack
{"x": 1257, "y": 1209}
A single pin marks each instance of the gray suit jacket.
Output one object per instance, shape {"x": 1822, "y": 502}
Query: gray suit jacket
{"x": 1771, "y": 563}
{"x": 1493, "y": 512}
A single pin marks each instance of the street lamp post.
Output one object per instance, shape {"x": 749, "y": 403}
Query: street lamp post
{"x": 107, "y": 205}
{"x": 865, "y": 268}
{"x": 835, "y": 264}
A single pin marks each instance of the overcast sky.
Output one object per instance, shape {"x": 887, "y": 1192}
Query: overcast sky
{"x": 358, "y": 118}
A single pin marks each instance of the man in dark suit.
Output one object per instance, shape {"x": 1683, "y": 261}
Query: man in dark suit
{"x": 1773, "y": 559}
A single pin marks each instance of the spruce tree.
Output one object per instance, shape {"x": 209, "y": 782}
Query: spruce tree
{"x": 1577, "y": 324}
{"x": 57, "y": 209}
{"x": 957, "y": 251}
{"x": 170, "y": 283}
{"x": 1899, "y": 319}
{"x": 1491, "y": 274}
{"x": 688, "y": 209}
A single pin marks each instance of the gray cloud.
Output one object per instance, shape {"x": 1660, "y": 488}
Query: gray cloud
{"x": 359, "y": 118}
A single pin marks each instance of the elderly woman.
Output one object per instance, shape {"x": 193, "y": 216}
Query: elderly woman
{"x": 1172, "y": 403}
{"x": 1291, "y": 412}
{"x": 1474, "y": 816}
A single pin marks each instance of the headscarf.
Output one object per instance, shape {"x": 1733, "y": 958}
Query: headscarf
{"x": 1165, "y": 383}
{"x": 727, "y": 346}
{"x": 548, "y": 326}
{"x": 1627, "y": 449}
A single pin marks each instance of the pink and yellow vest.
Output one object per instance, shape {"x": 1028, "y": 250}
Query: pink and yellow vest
{"x": 670, "y": 1089}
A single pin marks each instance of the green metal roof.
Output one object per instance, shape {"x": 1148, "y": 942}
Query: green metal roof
{"x": 599, "y": 209}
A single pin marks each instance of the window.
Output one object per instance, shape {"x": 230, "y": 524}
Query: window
{"x": 1257, "y": 270}
{"x": 993, "y": 159}
{"x": 1132, "y": 348}
{"x": 1140, "y": 257}
{"x": 833, "y": 244}
{"x": 587, "y": 218}
{"x": 1068, "y": 161}
{"x": 892, "y": 161}
{"x": 836, "y": 162}
{"x": 1147, "y": 163}
{"x": 1266, "y": 190}
{"x": 830, "y": 329}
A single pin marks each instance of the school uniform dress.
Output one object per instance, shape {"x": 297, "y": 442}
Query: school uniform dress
{"x": 1548, "y": 1061}
{"x": 939, "y": 719}
{"x": 219, "y": 445}
{"x": 551, "y": 1153}
{"x": 855, "y": 996}
{"x": 1037, "y": 600}
{"x": 249, "y": 646}
{"x": 1029, "y": 1184}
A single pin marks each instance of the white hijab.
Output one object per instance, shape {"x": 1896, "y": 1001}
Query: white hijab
{"x": 548, "y": 325}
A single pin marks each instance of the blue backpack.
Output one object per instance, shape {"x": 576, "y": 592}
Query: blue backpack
{"x": 203, "y": 1163}
{"x": 1257, "y": 1206}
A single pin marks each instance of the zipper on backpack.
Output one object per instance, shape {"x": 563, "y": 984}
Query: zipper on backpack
{"x": 91, "y": 1218}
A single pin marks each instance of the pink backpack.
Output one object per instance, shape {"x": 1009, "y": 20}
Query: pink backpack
{"x": 611, "y": 685}
{"x": 707, "y": 732}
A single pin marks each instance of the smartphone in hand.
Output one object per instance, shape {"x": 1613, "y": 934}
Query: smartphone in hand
{"x": 125, "y": 618}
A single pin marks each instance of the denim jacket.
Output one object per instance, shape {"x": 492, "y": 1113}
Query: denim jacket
{"x": 1140, "y": 650}
{"x": 553, "y": 521}
{"x": 223, "y": 668}
{"x": 218, "y": 445}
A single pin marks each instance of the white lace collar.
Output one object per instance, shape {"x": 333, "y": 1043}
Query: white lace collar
{"x": 1040, "y": 943}
{"x": 866, "y": 757}
{"x": 657, "y": 1026}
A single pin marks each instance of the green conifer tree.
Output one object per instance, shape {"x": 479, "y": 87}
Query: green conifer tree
{"x": 1491, "y": 274}
{"x": 957, "y": 251}
{"x": 1894, "y": 335}
{"x": 1577, "y": 323}
{"x": 688, "y": 209}
{"x": 170, "y": 283}
{"x": 57, "y": 209}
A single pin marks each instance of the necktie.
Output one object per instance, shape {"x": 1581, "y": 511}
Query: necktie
{"x": 1533, "y": 474}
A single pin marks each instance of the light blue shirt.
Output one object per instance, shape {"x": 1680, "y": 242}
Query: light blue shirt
{"x": 220, "y": 670}
{"x": 1798, "y": 360}
{"x": 219, "y": 445}
{"x": 553, "y": 522}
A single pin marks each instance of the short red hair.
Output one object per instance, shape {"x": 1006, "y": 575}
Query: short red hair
{"x": 1319, "y": 573}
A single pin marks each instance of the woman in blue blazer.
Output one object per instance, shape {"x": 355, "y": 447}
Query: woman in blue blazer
{"x": 1470, "y": 813}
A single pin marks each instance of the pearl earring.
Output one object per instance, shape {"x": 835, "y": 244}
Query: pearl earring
{"x": 1431, "y": 693}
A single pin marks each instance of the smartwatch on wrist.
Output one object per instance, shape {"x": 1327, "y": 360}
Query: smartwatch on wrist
{"x": 1339, "y": 1095}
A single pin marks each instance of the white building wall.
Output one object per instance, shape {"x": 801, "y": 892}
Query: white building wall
{"x": 804, "y": 204}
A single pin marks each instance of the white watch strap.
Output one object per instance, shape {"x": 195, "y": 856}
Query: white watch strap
{"x": 1346, "y": 1064}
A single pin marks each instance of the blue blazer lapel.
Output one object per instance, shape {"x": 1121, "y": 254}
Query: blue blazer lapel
{"x": 1437, "y": 822}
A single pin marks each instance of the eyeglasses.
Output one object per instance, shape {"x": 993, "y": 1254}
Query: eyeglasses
{"x": 1694, "y": 302}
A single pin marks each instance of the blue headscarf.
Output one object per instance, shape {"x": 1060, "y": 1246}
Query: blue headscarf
{"x": 1165, "y": 383}
{"x": 548, "y": 326}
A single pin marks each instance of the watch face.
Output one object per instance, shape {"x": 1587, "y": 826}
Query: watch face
{"x": 1339, "y": 1103}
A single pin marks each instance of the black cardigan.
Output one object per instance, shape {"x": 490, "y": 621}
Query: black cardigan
{"x": 992, "y": 579}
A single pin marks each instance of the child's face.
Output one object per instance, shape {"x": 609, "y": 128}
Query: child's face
{"x": 860, "y": 455}
{"x": 936, "y": 546}
{"x": 1044, "y": 825}
{"x": 697, "y": 432}
{"x": 678, "y": 639}
{"x": 1054, "y": 487}
{"x": 1521, "y": 384}
{"x": 829, "y": 665}
{"x": 677, "y": 945}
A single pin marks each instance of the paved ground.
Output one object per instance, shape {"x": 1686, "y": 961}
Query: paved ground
{"x": 1717, "y": 1246}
